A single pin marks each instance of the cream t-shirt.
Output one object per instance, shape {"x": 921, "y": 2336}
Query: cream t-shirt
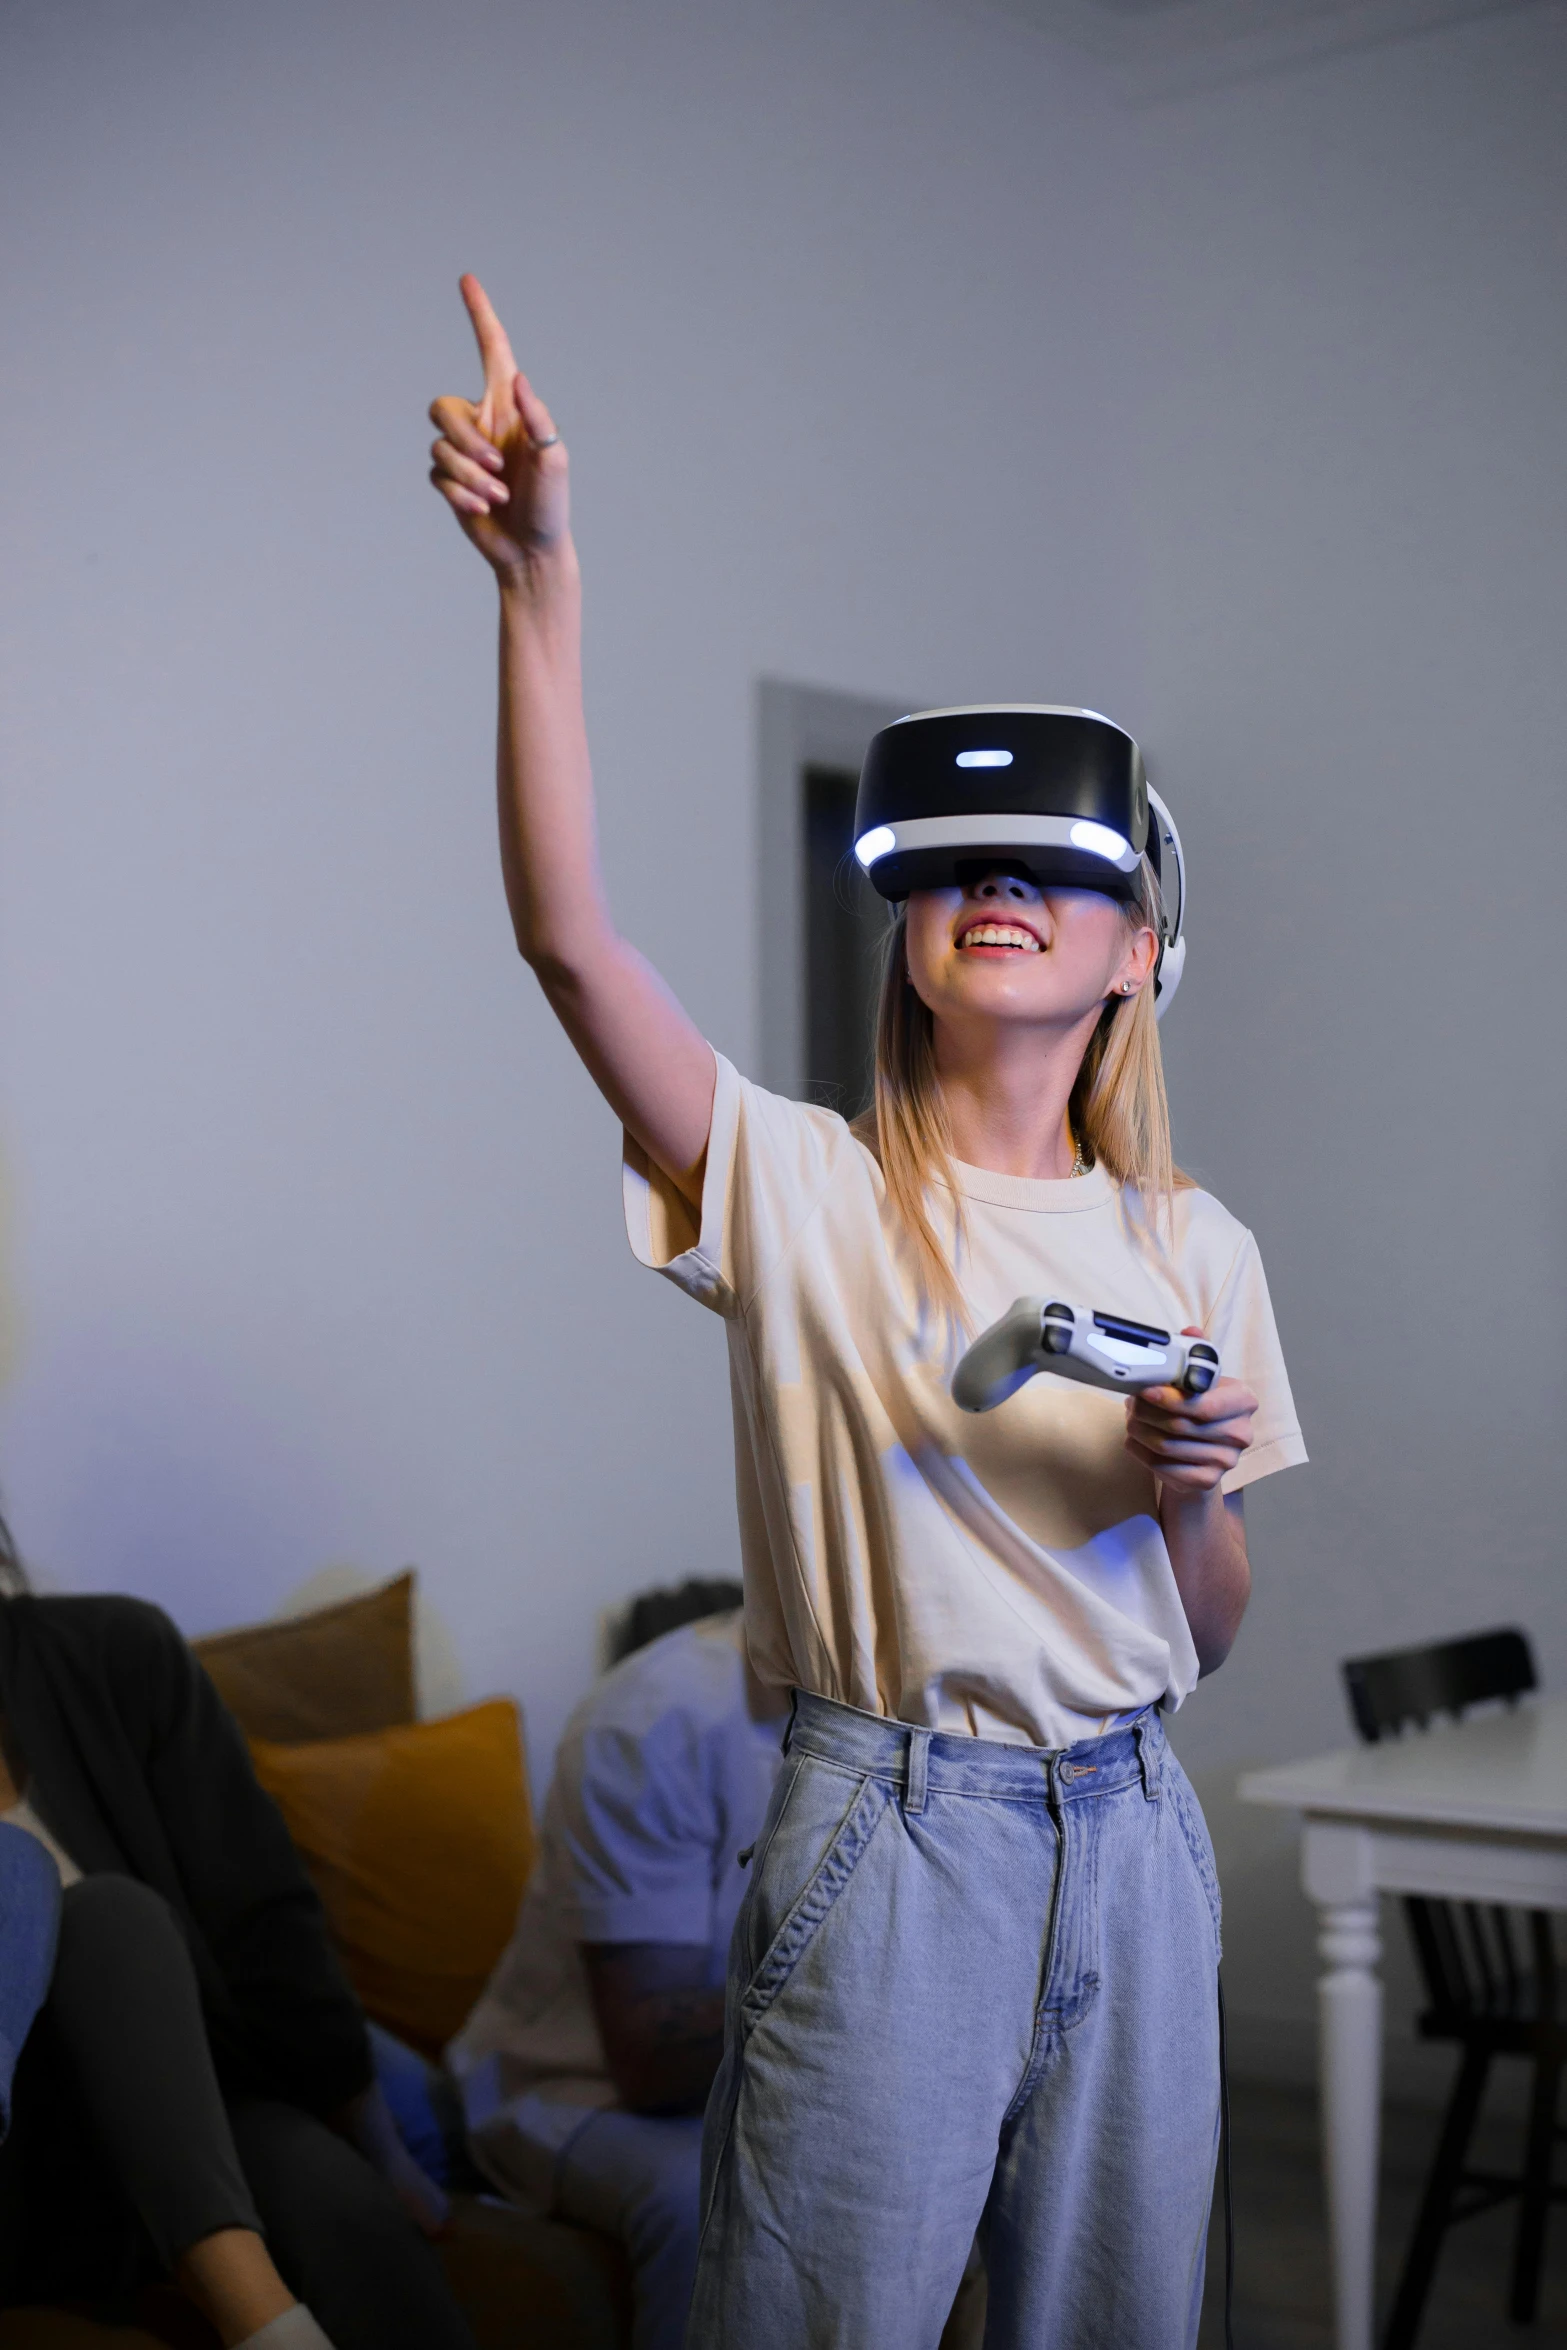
{"x": 1002, "y": 1574}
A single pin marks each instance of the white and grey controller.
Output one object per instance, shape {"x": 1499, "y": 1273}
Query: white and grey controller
{"x": 1100, "y": 1350}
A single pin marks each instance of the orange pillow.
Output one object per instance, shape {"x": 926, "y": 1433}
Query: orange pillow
{"x": 328, "y": 1674}
{"x": 420, "y": 1841}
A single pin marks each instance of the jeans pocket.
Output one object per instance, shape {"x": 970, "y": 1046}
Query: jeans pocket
{"x": 1194, "y": 1830}
{"x": 816, "y": 1846}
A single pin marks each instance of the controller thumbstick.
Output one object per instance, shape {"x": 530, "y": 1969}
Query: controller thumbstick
{"x": 1199, "y": 1376}
{"x": 1055, "y": 1334}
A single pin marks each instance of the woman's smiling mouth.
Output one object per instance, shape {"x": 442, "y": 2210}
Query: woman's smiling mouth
{"x": 1007, "y": 938}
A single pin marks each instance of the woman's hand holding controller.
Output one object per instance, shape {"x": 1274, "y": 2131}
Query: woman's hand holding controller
{"x": 1190, "y": 1442}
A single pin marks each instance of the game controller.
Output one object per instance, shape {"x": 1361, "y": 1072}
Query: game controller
{"x": 1100, "y": 1350}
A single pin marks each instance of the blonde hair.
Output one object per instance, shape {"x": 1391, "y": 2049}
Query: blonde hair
{"x": 1118, "y": 1110}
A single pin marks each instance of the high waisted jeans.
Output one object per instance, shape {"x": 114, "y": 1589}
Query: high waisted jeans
{"x": 973, "y": 1987}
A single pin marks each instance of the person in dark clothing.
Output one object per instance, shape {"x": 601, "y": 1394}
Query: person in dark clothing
{"x": 195, "y": 2095}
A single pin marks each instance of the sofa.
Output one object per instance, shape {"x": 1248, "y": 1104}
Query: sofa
{"x": 420, "y": 1837}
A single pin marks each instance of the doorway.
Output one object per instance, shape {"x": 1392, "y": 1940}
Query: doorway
{"x": 846, "y": 927}
{"x": 822, "y": 927}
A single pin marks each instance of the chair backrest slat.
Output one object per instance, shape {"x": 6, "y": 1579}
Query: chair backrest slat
{"x": 1483, "y": 1974}
{"x": 1542, "y": 1941}
{"x": 1405, "y": 1685}
{"x": 1431, "y": 1924}
{"x": 1512, "y": 1973}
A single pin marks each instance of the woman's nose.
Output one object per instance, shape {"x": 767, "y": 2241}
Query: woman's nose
{"x": 998, "y": 885}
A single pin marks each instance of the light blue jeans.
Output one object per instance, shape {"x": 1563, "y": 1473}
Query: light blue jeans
{"x": 973, "y": 1987}
{"x": 632, "y": 2175}
{"x": 636, "y": 2176}
{"x": 29, "y": 1936}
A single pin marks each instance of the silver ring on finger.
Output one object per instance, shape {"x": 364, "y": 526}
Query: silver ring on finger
{"x": 548, "y": 442}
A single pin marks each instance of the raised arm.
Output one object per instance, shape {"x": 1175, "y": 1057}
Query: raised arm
{"x": 501, "y": 467}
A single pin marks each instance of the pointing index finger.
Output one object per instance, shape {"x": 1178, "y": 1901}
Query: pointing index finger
{"x": 494, "y": 348}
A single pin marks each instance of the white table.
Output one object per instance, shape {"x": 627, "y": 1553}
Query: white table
{"x": 1473, "y": 1810}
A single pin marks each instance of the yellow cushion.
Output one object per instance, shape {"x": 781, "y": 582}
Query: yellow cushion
{"x": 328, "y": 1674}
{"x": 420, "y": 1841}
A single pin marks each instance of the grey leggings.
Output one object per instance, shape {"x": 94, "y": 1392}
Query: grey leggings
{"x": 123, "y": 2151}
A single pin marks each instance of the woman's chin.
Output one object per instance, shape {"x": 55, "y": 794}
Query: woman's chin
{"x": 992, "y": 991}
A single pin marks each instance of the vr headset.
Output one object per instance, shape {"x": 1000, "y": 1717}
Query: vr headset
{"x": 1061, "y": 795}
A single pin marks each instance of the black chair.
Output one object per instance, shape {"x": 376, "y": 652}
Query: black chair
{"x": 1490, "y": 1978}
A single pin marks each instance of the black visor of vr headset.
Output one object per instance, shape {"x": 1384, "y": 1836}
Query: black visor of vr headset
{"x": 1059, "y": 794}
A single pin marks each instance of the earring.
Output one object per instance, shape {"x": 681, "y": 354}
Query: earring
{"x": 1126, "y": 987}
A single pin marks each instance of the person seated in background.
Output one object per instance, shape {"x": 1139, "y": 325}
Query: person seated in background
{"x": 587, "y": 2062}
{"x": 193, "y": 2096}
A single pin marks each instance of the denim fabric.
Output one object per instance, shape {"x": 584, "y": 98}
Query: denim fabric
{"x": 426, "y": 2105}
{"x": 636, "y": 2176}
{"x": 972, "y": 1987}
{"x": 29, "y": 1931}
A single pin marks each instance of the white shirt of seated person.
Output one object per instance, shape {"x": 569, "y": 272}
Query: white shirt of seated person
{"x": 662, "y": 1780}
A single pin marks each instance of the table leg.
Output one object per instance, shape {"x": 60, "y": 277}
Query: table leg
{"x": 1349, "y": 2007}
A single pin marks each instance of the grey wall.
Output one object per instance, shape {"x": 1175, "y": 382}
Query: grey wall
{"x": 1354, "y": 344}
{"x": 314, "y": 1249}
{"x": 894, "y": 354}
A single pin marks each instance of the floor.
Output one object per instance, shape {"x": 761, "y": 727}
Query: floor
{"x": 1281, "y": 2277}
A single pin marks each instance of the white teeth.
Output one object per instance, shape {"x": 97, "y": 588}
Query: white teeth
{"x": 1000, "y": 934}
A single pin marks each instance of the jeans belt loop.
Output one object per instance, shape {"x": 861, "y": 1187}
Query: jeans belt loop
{"x": 916, "y": 1766}
{"x": 1147, "y": 1761}
{"x": 794, "y": 1711}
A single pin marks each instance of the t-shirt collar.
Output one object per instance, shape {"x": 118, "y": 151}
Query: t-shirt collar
{"x": 1063, "y": 1196}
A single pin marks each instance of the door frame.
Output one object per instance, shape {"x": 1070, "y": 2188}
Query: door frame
{"x": 798, "y": 726}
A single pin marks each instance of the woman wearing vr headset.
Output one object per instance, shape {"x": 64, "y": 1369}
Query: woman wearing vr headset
{"x": 973, "y": 1985}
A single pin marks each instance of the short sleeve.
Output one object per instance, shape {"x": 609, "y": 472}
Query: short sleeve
{"x": 641, "y": 1826}
{"x": 769, "y": 1161}
{"x": 1242, "y": 1327}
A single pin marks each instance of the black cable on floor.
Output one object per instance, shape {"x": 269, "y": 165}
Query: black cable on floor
{"x": 1224, "y": 2168}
